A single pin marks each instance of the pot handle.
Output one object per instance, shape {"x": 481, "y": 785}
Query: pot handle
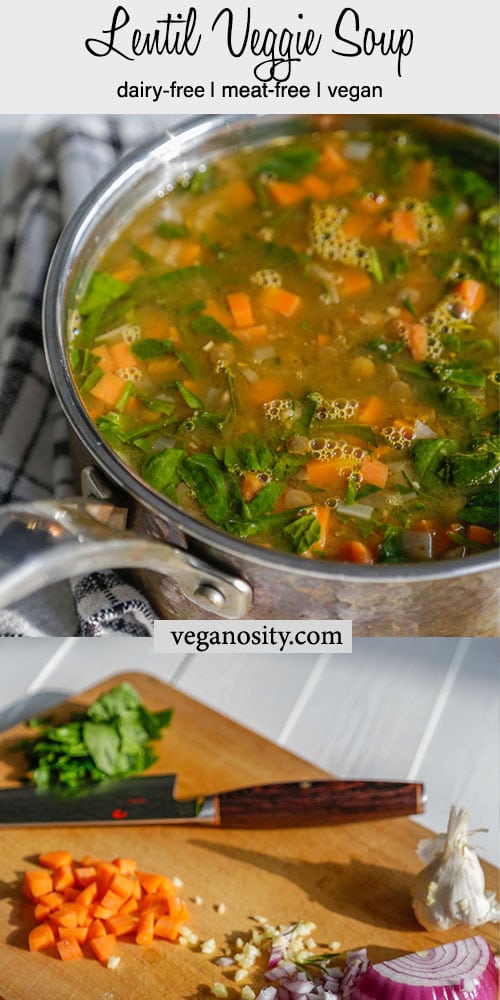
{"x": 46, "y": 541}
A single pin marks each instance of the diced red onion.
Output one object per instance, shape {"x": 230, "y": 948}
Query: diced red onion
{"x": 417, "y": 544}
{"x": 265, "y": 352}
{"x": 462, "y": 969}
{"x": 268, "y": 993}
{"x": 299, "y": 988}
{"x": 357, "y": 151}
{"x": 423, "y": 431}
{"x": 224, "y": 961}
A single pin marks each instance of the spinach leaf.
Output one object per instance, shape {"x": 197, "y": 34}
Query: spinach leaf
{"x": 383, "y": 347}
{"x": 429, "y": 456}
{"x": 109, "y": 740}
{"x": 290, "y": 163}
{"x": 160, "y": 470}
{"x": 287, "y": 465}
{"x": 375, "y": 266}
{"x": 390, "y": 550}
{"x": 264, "y": 502}
{"x": 201, "y": 182}
{"x": 209, "y": 327}
{"x": 482, "y": 508}
{"x": 303, "y": 532}
{"x": 149, "y": 348}
{"x": 102, "y": 289}
{"x": 171, "y": 230}
{"x": 480, "y": 466}
{"x": 248, "y": 453}
{"x": 466, "y": 184}
{"x": 215, "y": 491}
{"x": 191, "y": 400}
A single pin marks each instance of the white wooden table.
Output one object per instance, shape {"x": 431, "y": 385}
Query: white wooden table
{"x": 396, "y": 708}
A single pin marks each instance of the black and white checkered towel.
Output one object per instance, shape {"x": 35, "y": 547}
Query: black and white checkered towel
{"x": 40, "y": 191}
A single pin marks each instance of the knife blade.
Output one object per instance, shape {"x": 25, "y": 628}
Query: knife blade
{"x": 151, "y": 800}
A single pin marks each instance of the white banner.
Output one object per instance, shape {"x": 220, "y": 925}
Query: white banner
{"x": 145, "y": 56}
{"x": 278, "y": 636}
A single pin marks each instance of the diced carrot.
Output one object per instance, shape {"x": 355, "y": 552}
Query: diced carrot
{"x": 238, "y": 194}
{"x": 166, "y": 368}
{"x": 420, "y": 178}
{"x": 218, "y": 312}
{"x": 100, "y": 912}
{"x": 96, "y": 929}
{"x": 316, "y": 187}
{"x": 79, "y": 934}
{"x": 52, "y": 899}
{"x": 253, "y": 334}
{"x": 37, "y": 884}
{"x": 356, "y": 225}
{"x": 241, "y": 309}
{"x": 166, "y": 888}
{"x": 152, "y": 901}
{"x": 103, "y": 947}
{"x": 63, "y": 877}
{"x": 250, "y": 484}
{"x": 167, "y": 927}
{"x": 129, "y": 906}
{"x": 344, "y": 185}
{"x": 71, "y": 893}
{"x": 145, "y": 928}
{"x": 471, "y": 293}
{"x": 69, "y": 950}
{"x": 127, "y": 866}
{"x": 373, "y": 412}
{"x": 41, "y": 937}
{"x": 332, "y": 162}
{"x": 188, "y": 253}
{"x": 121, "y": 924}
{"x": 280, "y": 301}
{"x": 128, "y": 273}
{"x": 322, "y": 339}
{"x": 404, "y": 227}
{"x": 356, "y": 552}
{"x": 323, "y": 516}
{"x": 95, "y": 408}
{"x": 266, "y": 388}
{"x": 418, "y": 341}
{"x": 111, "y": 900}
{"x": 108, "y": 389}
{"x": 286, "y": 193}
{"x": 177, "y": 908}
{"x": 65, "y": 918}
{"x": 353, "y": 281}
{"x": 149, "y": 881}
{"x": 374, "y": 472}
{"x": 122, "y": 886}
{"x": 331, "y": 474}
{"x": 372, "y": 203}
{"x": 105, "y": 874}
{"x": 87, "y": 895}
{"x": 122, "y": 356}
{"x": 476, "y": 533}
{"x": 41, "y": 911}
{"x": 84, "y": 876}
{"x": 55, "y": 859}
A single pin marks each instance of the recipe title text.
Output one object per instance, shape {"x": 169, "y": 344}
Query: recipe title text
{"x": 275, "y": 51}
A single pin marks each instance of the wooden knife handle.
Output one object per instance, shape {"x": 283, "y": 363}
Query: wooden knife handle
{"x": 314, "y": 803}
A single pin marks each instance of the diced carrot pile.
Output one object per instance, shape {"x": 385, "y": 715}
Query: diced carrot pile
{"x": 96, "y": 902}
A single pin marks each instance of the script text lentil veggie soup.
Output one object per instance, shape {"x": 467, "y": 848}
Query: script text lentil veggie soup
{"x": 298, "y": 345}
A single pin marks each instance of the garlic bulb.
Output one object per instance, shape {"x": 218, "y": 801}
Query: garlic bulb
{"x": 450, "y": 890}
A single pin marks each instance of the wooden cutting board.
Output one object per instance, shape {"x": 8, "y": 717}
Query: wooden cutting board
{"x": 353, "y": 881}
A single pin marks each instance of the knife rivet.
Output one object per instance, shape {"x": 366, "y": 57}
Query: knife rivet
{"x": 210, "y": 595}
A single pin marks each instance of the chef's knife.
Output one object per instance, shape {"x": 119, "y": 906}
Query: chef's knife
{"x": 152, "y": 800}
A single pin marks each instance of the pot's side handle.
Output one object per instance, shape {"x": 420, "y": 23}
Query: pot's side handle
{"x": 47, "y": 541}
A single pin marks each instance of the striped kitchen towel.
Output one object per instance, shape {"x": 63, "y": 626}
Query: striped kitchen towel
{"x": 51, "y": 175}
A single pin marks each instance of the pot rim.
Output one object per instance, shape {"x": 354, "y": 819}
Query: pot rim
{"x": 76, "y": 233}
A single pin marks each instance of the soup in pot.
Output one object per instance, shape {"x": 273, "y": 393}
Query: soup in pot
{"x": 297, "y": 344}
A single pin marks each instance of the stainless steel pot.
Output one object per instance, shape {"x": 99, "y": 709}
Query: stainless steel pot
{"x": 185, "y": 566}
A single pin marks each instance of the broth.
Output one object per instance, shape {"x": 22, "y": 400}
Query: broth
{"x": 298, "y": 345}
